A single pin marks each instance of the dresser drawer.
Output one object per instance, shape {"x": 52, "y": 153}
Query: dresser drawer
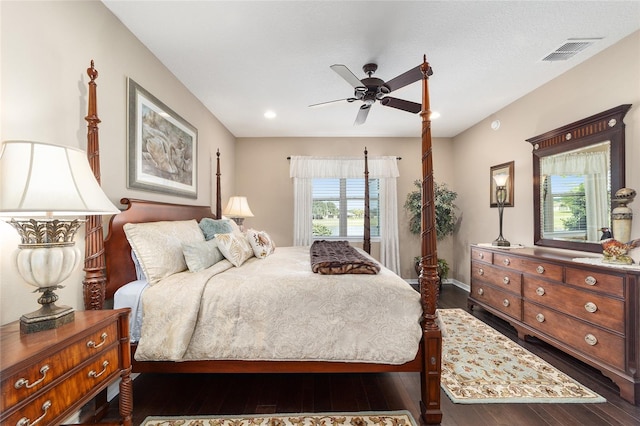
{"x": 480, "y": 255}
{"x": 585, "y": 338}
{"x": 602, "y": 282}
{"x": 503, "y": 301}
{"x": 588, "y": 306}
{"x": 499, "y": 277}
{"x": 54, "y": 402}
{"x": 546, "y": 270}
{"x": 35, "y": 377}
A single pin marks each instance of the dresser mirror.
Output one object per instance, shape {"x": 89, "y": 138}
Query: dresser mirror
{"x": 576, "y": 169}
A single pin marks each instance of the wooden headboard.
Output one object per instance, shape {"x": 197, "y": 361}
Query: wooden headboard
{"x": 120, "y": 268}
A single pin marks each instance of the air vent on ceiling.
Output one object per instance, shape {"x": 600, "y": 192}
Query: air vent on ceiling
{"x": 570, "y": 48}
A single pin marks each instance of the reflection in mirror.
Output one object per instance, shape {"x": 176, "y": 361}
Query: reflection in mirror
{"x": 574, "y": 198}
{"x": 576, "y": 168}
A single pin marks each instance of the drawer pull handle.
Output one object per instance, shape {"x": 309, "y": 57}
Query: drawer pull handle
{"x": 590, "y": 339}
{"x": 590, "y": 307}
{"x": 26, "y": 422}
{"x": 506, "y": 303}
{"x": 22, "y": 382}
{"x": 95, "y": 375}
{"x": 506, "y": 262}
{"x": 540, "y": 318}
{"x": 94, "y": 345}
{"x": 590, "y": 280}
{"x": 505, "y": 280}
{"x": 480, "y": 271}
{"x": 481, "y": 255}
{"x": 540, "y": 269}
{"x": 480, "y": 291}
{"x": 540, "y": 291}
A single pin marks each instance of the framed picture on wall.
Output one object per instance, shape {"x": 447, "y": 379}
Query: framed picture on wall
{"x": 162, "y": 146}
{"x": 505, "y": 168}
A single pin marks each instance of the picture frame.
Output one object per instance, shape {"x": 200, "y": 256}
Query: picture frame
{"x": 498, "y": 169}
{"x": 162, "y": 146}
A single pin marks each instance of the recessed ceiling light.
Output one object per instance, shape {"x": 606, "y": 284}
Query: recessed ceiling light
{"x": 270, "y": 114}
{"x": 495, "y": 124}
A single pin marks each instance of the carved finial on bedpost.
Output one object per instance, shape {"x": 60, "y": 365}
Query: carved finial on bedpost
{"x": 95, "y": 279}
{"x": 429, "y": 282}
{"x": 366, "y": 245}
{"x": 218, "y": 193}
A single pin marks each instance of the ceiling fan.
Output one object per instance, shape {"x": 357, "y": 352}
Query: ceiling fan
{"x": 372, "y": 89}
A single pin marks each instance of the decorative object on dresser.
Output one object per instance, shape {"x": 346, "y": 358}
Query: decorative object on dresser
{"x": 480, "y": 365}
{"x": 588, "y": 155}
{"x": 587, "y": 310}
{"x": 163, "y": 147}
{"x": 48, "y": 376}
{"x": 622, "y": 215}
{"x": 45, "y": 183}
{"x": 238, "y": 209}
{"x": 503, "y": 177}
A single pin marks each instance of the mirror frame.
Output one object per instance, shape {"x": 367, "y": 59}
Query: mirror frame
{"x": 607, "y": 125}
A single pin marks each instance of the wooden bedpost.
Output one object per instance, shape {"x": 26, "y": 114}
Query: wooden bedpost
{"x": 429, "y": 286}
{"x": 218, "y": 193}
{"x": 95, "y": 279}
{"x": 366, "y": 245}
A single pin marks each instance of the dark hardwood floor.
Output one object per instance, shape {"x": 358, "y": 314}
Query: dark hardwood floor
{"x": 231, "y": 394}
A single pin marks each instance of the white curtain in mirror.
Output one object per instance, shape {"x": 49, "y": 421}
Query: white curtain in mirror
{"x": 595, "y": 167}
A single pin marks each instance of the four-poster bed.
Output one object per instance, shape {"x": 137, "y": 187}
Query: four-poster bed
{"x": 120, "y": 270}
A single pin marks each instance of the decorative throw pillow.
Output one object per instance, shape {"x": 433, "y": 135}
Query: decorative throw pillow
{"x": 201, "y": 255}
{"x": 261, "y": 243}
{"x": 158, "y": 245}
{"x": 234, "y": 247}
{"x": 211, "y": 227}
{"x": 234, "y": 225}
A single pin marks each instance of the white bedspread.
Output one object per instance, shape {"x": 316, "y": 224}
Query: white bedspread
{"x": 277, "y": 309}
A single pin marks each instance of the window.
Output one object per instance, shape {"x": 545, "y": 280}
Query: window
{"x": 568, "y": 212}
{"x": 338, "y": 208}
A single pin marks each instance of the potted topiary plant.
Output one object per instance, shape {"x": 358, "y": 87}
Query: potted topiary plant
{"x": 445, "y": 217}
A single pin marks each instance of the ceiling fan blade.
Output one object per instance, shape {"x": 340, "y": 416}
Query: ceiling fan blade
{"x": 405, "y": 79}
{"x": 408, "y": 106}
{"x": 363, "y": 112}
{"x": 346, "y": 73}
{"x": 332, "y": 102}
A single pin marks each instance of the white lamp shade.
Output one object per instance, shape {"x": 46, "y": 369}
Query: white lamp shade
{"x": 238, "y": 207}
{"x": 43, "y": 179}
{"x": 501, "y": 179}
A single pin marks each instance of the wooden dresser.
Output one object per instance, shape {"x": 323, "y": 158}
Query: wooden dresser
{"x": 591, "y": 312}
{"x": 47, "y": 376}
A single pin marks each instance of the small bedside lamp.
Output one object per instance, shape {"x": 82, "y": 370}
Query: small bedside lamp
{"x": 237, "y": 209}
{"x": 39, "y": 184}
{"x": 501, "y": 196}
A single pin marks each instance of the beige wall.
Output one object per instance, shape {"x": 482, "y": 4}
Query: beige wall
{"x": 609, "y": 79}
{"x": 262, "y": 174}
{"x": 46, "y": 49}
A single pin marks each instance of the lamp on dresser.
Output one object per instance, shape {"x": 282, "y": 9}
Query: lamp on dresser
{"x": 501, "y": 196}
{"x": 237, "y": 209}
{"x": 43, "y": 187}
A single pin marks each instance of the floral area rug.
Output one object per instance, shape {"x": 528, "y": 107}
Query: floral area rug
{"x": 481, "y": 366}
{"x": 391, "y": 418}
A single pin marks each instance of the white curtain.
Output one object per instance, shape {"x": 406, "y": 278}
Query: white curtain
{"x": 304, "y": 169}
{"x": 595, "y": 167}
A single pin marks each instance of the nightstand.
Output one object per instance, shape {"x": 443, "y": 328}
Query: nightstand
{"x": 47, "y": 376}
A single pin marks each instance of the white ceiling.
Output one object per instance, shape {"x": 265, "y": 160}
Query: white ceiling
{"x": 241, "y": 58}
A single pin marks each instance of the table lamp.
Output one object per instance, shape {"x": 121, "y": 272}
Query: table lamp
{"x": 42, "y": 187}
{"x": 501, "y": 196}
{"x": 237, "y": 209}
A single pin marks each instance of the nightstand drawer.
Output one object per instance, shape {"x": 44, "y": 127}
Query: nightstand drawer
{"x": 35, "y": 377}
{"x": 55, "y": 401}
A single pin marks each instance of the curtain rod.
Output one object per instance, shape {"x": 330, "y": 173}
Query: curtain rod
{"x": 397, "y": 158}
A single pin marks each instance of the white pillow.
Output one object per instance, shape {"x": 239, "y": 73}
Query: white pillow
{"x": 201, "y": 255}
{"x": 261, "y": 243}
{"x": 234, "y": 247}
{"x": 158, "y": 245}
